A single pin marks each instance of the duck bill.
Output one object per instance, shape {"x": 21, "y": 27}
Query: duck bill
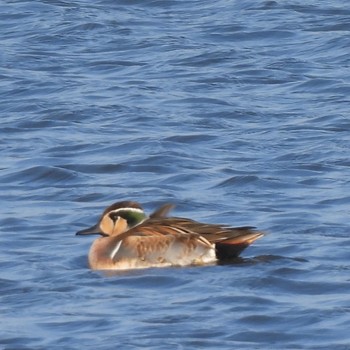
{"x": 90, "y": 231}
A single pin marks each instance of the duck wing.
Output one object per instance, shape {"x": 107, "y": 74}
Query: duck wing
{"x": 229, "y": 241}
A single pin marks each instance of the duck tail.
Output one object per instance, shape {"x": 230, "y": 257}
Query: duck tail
{"x": 230, "y": 248}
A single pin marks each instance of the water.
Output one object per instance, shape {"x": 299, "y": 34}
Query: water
{"x": 236, "y": 111}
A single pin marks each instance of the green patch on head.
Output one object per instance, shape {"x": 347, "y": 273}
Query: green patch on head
{"x": 133, "y": 217}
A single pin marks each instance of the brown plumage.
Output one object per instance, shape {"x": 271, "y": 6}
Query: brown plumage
{"x": 229, "y": 241}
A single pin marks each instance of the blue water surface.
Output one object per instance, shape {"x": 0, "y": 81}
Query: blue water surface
{"x": 235, "y": 111}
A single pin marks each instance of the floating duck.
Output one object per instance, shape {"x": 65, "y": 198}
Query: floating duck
{"x": 131, "y": 239}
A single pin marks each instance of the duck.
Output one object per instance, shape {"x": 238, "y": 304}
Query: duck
{"x": 130, "y": 239}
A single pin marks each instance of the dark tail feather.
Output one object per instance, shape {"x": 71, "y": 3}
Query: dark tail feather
{"x": 231, "y": 248}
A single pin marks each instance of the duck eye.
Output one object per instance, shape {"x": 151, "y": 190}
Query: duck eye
{"x": 114, "y": 217}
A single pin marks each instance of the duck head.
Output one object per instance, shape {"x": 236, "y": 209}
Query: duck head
{"x": 116, "y": 219}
